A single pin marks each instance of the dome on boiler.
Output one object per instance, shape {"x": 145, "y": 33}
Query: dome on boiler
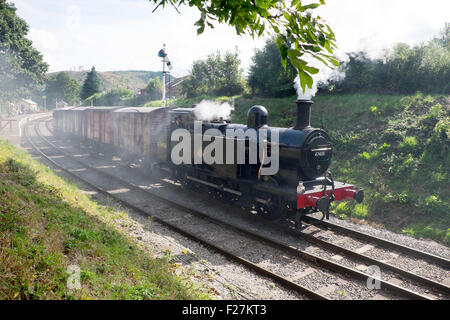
{"x": 257, "y": 117}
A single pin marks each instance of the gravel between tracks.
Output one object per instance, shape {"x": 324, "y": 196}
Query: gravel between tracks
{"x": 425, "y": 245}
{"x": 219, "y": 277}
{"x": 337, "y": 289}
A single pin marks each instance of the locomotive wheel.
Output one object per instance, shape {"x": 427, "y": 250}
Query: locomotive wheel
{"x": 218, "y": 195}
{"x": 278, "y": 209}
{"x": 273, "y": 211}
{"x": 225, "y": 197}
{"x": 228, "y": 197}
{"x": 270, "y": 215}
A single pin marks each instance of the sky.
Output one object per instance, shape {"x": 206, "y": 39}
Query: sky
{"x": 127, "y": 35}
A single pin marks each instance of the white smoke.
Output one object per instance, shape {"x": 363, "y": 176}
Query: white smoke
{"x": 309, "y": 93}
{"x": 210, "y": 110}
{"x": 325, "y": 74}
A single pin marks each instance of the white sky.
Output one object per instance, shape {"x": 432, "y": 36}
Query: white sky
{"x": 126, "y": 35}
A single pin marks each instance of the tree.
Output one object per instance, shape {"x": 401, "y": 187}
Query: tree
{"x": 445, "y": 35}
{"x": 230, "y": 81}
{"x": 114, "y": 97}
{"x": 216, "y": 75}
{"x": 62, "y": 87}
{"x": 267, "y": 77}
{"x": 153, "y": 91}
{"x": 199, "y": 80}
{"x": 21, "y": 66}
{"x": 301, "y": 36}
{"x": 91, "y": 85}
{"x": 402, "y": 69}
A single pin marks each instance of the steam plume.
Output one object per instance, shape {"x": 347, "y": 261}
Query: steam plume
{"x": 210, "y": 110}
{"x": 325, "y": 74}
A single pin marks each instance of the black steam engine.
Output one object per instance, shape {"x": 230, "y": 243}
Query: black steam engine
{"x": 301, "y": 185}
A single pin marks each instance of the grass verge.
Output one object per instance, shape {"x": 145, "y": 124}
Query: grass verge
{"x": 50, "y": 233}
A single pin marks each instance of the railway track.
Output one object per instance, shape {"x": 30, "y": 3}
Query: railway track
{"x": 356, "y": 234}
{"x": 277, "y": 278}
{"x": 383, "y": 242}
{"x": 412, "y": 277}
{"x": 330, "y": 265}
{"x": 444, "y": 262}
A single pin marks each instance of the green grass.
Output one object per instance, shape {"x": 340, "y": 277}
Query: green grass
{"x": 47, "y": 225}
{"x": 395, "y": 147}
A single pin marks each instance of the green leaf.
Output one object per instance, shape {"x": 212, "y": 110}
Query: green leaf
{"x": 311, "y": 48}
{"x": 294, "y": 55}
{"x": 334, "y": 61}
{"x": 327, "y": 47}
{"x": 261, "y": 30}
{"x": 311, "y": 70}
{"x": 201, "y": 29}
{"x": 282, "y": 46}
{"x": 305, "y": 80}
{"x": 201, "y": 24}
{"x": 310, "y": 6}
{"x": 299, "y": 64}
{"x": 320, "y": 59}
{"x": 308, "y": 32}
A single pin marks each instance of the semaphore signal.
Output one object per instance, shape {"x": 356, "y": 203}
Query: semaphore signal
{"x": 162, "y": 54}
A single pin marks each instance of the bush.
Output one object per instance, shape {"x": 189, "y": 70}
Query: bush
{"x": 392, "y": 135}
{"x": 360, "y": 211}
{"x": 344, "y": 209}
{"x": 434, "y": 206}
{"x": 437, "y": 146}
{"x": 409, "y": 145}
{"x": 420, "y": 230}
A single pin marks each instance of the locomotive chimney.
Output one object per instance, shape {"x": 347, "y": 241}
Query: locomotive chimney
{"x": 303, "y": 114}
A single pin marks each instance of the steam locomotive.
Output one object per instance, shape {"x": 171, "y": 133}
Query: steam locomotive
{"x": 302, "y": 184}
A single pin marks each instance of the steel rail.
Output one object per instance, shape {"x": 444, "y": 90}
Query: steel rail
{"x": 283, "y": 281}
{"x": 366, "y": 237}
{"x": 386, "y": 266}
{"x": 278, "y": 245}
{"x": 387, "y": 243}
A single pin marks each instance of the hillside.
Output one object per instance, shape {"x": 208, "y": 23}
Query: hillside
{"x": 394, "y": 147}
{"x": 131, "y": 80}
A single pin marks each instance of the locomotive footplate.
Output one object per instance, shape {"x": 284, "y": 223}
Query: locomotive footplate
{"x": 320, "y": 193}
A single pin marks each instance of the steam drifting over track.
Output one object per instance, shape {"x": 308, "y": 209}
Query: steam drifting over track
{"x": 275, "y": 244}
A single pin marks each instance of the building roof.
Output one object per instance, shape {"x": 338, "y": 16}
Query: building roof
{"x": 29, "y": 101}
